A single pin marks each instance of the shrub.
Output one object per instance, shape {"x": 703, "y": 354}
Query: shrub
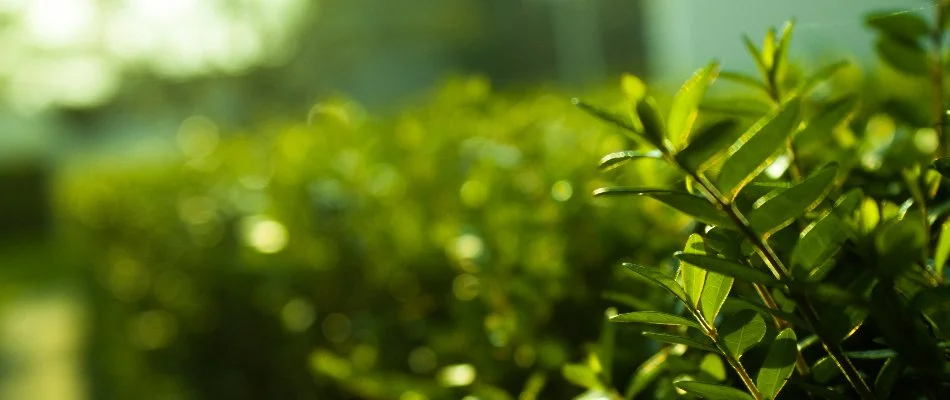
{"x": 816, "y": 262}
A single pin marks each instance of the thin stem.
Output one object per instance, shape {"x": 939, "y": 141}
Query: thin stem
{"x": 778, "y": 269}
{"x": 733, "y": 361}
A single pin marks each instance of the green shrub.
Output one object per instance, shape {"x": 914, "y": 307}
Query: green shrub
{"x": 816, "y": 262}
{"x": 355, "y": 256}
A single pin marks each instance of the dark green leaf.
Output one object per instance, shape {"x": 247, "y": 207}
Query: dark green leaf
{"x": 739, "y": 303}
{"x": 757, "y": 147}
{"x": 709, "y": 143}
{"x": 778, "y": 365}
{"x": 742, "y": 331}
{"x": 899, "y": 244}
{"x": 712, "y": 391}
{"x": 727, "y": 267}
{"x": 887, "y": 377}
{"x": 943, "y": 166}
{"x": 581, "y": 375}
{"x": 654, "y": 317}
{"x": 819, "y": 131}
{"x": 653, "y": 129}
{"x": 614, "y": 160}
{"x": 680, "y": 339}
{"x": 630, "y": 128}
{"x": 825, "y": 370}
{"x": 818, "y": 242}
{"x": 685, "y": 105}
{"x": 908, "y": 58}
{"x": 819, "y": 391}
{"x": 903, "y": 332}
{"x": 660, "y": 279}
{"x": 901, "y": 25}
{"x": 694, "y": 206}
{"x": 779, "y": 211}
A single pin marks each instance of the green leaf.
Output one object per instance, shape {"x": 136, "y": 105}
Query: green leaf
{"x": 736, "y": 107}
{"x": 778, "y": 365}
{"x": 694, "y": 206}
{"x": 779, "y": 211}
{"x": 739, "y": 303}
{"x": 908, "y": 58}
{"x": 899, "y": 244}
{"x": 614, "y": 160}
{"x": 660, "y": 279}
{"x": 680, "y": 339}
{"x": 711, "y": 365}
{"x": 780, "y": 61}
{"x": 742, "y": 331}
{"x": 887, "y": 377}
{"x": 871, "y": 354}
{"x": 653, "y": 129}
{"x": 694, "y": 278}
{"x": 633, "y": 131}
{"x": 756, "y": 55}
{"x": 757, "y": 147}
{"x": 645, "y": 374}
{"x": 822, "y": 74}
{"x": 712, "y": 391}
{"x": 818, "y": 133}
{"x": 824, "y": 370}
{"x": 654, "y": 317}
{"x": 726, "y": 267}
{"x": 744, "y": 79}
{"x": 817, "y": 243}
{"x": 942, "y": 166}
{"x": 685, "y": 105}
{"x": 900, "y": 25}
{"x": 581, "y": 375}
{"x": 708, "y": 145}
{"x": 714, "y": 295}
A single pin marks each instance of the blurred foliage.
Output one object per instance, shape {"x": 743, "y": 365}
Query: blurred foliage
{"x": 452, "y": 249}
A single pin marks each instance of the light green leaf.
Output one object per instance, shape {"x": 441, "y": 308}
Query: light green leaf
{"x": 871, "y": 354}
{"x": 714, "y": 295}
{"x": 712, "y": 391}
{"x": 943, "y": 248}
{"x": 822, "y": 75}
{"x": 756, "y": 55}
{"x": 581, "y": 375}
{"x": 779, "y": 211}
{"x": 694, "y": 278}
{"x": 778, "y": 365}
{"x": 685, "y": 105}
{"x": 899, "y": 244}
{"x": 908, "y": 58}
{"x": 654, "y": 317}
{"x": 744, "y": 79}
{"x": 694, "y": 206}
{"x": 712, "y": 365}
{"x": 900, "y": 25}
{"x": 680, "y": 339}
{"x": 739, "y": 303}
{"x": 708, "y": 145}
{"x": 645, "y": 374}
{"x": 727, "y": 267}
{"x": 757, "y": 147}
{"x": 779, "y": 64}
{"x": 742, "y": 331}
{"x": 660, "y": 279}
{"x": 614, "y": 160}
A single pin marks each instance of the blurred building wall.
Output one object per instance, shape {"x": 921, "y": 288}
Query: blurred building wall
{"x": 686, "y": 34}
